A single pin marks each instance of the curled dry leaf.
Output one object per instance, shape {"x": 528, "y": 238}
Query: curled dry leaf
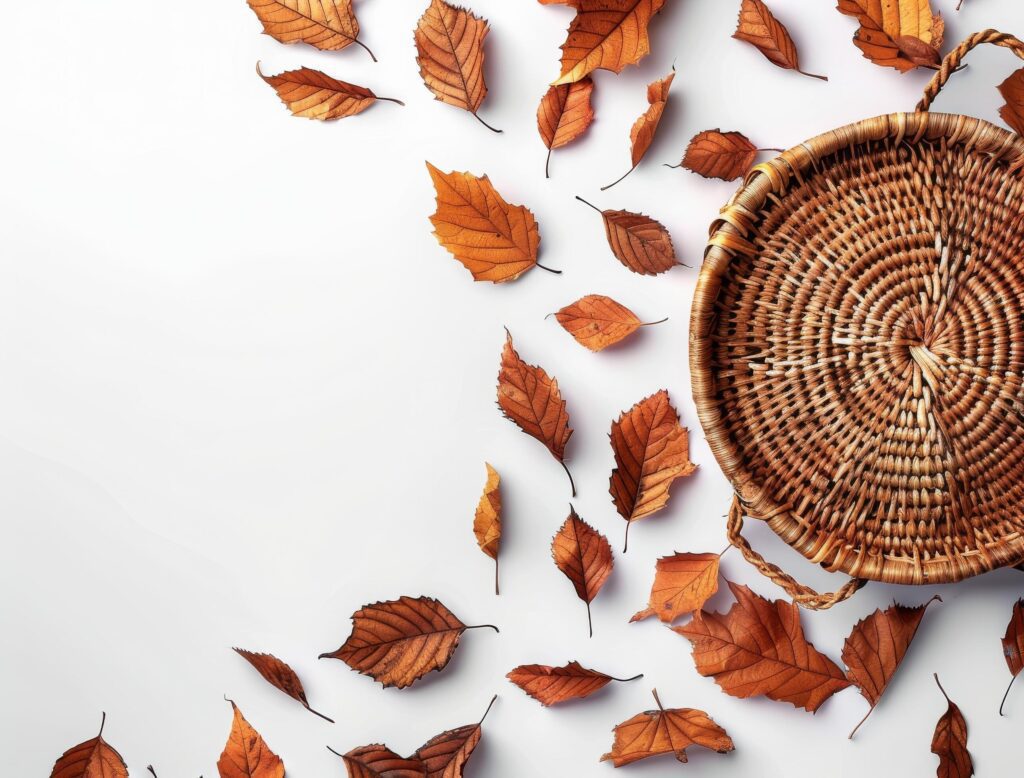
{"x": 450, "y": 53}
{"x": 495, "y": 241}
{"x": 1013, "y": 646}
{"x": 564, "y": 114}
{"x": 379, "y": 761}
{"x": 651, "y": 451}
{"x": 758, "y": 26}
{"x": 246, "y": 754}
{"x": 717, "y": 154}
{"x": 641, "y": 136}
{"x": 399, "y": 641}
{"x": 1012, "y": 90}
{"x": 552, "y": 685}
{"x": 597, "y": 322}
{"x": 528, "y": 396}
{"x": 584, "y": 556}
{"x": 759, "y": 648}
{"x": 279, "y": 675}
{"x": 949, "y": 742}
{"x": 326, "y": 24}
{"x": 445, "y": 755}
{"x": 639, "y": 242}
{"x": 682, "y": 584}
{"x": 661, "y": 731}
{"x": 885, "y": 28}
{"x": 95, "y": 758}
{"x": 487, "y": 522}
{"x": 314, "y": 95}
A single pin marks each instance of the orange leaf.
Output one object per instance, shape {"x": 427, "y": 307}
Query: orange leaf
{"x": 487, "y": 523}
{"x": 641, "y": 136}
{"x": 528, "y": 396}
{"x": 584, "y": 556}
{"x": 883, "y": 24}
{"x": 280, "y": 675}
{"x": 1013, "y": 646}
{"x": 717, "y": 154}
{"x": 314, "y": 95}
{"x": 328, "y": 24}
{"x": 651, "y": 451}
{"x": 597, "y": 322}
{"x": 445, "y": 755}
{"x": 949, "y": 742}
{"x": 639, "y": 242}
{"x": 759, "y": 648}
{"x": 495, "y": 241}
{"x": 1012, "y": 90}
{"x": 94, "y": 758}
{"x": 400, "y": 641}
{"x": 672, "y": 731}
{"x": 564, "y": 114}
{"x": 246, "y": 755}
{"x": 379, "y": 761}
{"x": 552, "y": 685}
{"x": 450, "y": 53}
{"x": 682, "y": 584}
{"x": 607, "y": 35}
{"x": 758, "y": 26}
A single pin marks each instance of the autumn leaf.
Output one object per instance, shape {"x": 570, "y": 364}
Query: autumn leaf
{"x": 314, "y": 95}
{"x": 280, "y": 675}
{"x": 641, "y": 136}
{"x": 661, "y": 731}
{"x": 1012, "y": 90}
{"x": 651, "y": 451}
{"x": 564, "y": 114}
{"x": 450, "y": 53}
{"x": 552, "y": 685}
{"x": 717, "y": 154}
{"x": 584, "y": 556}
{"x": 528, "y": 396}
{"x": 445, "y": 755}
{"x": 639, "y": 242}
{"x": 487, "y": 523}
{"x": 379, "y": 761}
{"x": 246, "y": 754}
{"x": 495, "y": 241}
{"x": 885, "y": 28}
{"x": 327, "y": 24}
{"x": 94, "y": 758}
{"x": 399, "y": 641}
{"x": 949, "y": 742}
{"x": 597, "y": 322}
{"x": 759, "y": 648}
{"x": 758, "y": 26}
{"x": 606, "y": 35}
{"x": 682, "y": 584}
{"x": 876, "y": 647}
{"x": 1013, "y": 646}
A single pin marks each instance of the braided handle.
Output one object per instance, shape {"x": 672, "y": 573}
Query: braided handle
{"x": 953, "y": 59}
{"x": 802, "y": 595}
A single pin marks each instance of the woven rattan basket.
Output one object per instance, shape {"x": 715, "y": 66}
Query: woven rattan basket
{"x": 857, "y": 347}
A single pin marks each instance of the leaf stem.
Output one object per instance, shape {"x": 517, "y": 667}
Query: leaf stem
{"x": 151, "y": 770}
{"x": 665, "y": 164}
{"x": 497, "y": 591}
{"x": 590, "y": 621}
{"x": 812, "y": 75}
{"x": 489, "y": 706}
{"x": 571, "y": 482}
{"x": 103, "y": 723}
{"x": 481, "y": 626}
{"x": 392, "y": 100}
{"x": 613, "y": 183}
{"x": 335, "y": 752}
{"x": 650, "y": 323}
{"x": 627, "y": 680}
{"x": 549, "y": 269}
{"x": 657, "y": 699}
{"x": 365, "y": 47}
{"x": 870, "y": 710}
{"x": 625, "y": 545}
{"x": 948, "y": 701}
{"x": 318, "y": 713}
{"x": 1007, "y": 694}
{"x": 590, "y": 204}
{"x": 772, "y": 149}
{"x": 485, "y": 124}
{"x": 722, "y": 552}
{"x": 547, "y": 164}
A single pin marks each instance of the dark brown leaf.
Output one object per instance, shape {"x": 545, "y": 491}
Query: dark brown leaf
{"x": 279, "y": 674}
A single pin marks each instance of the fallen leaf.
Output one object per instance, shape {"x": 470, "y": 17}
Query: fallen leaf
{"x": 564, "y": 114}
{"x": 379, "y": 761}
{"x": 552, "y": 685}
{"x": 758, "y": 26}
{"x": 528, "y": 396}
{"x": 1012, "y": 90}
{"x": 1013, "y": 646}
{"x": 641, "y": 136}
{"x": 330, "y": 25}
{"x": 597, "y": 322}
{"x": 399, "y": 641}
{"x": 661, "y": 731}
{"x": 876, "y": 647}
{"x": 651, "y": 451}
{"x": 717, "y": 154}
{"x": 584, "y": 556}
{"x": 450, "y": 53}
{"x": 918, "y": 52}
{"x": 606, "y": 35}
{"x": 280, "y": 675}
{"x": 949, "y": 742}
{"x": 639, "y": 242}
{"x": 246, "y": 754}
{"x": 495, "y": 241}
{"x": 445, "y": 755}
{"x": 884, "y": 24}
{"x": 487, "y": 523}
{"x": 682, "y": 584}
{"x": 94, "y": 758}
{"x": 759, "y": 648}
{"x": 314, "y": 95}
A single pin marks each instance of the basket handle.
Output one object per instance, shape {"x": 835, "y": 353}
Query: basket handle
{"x": 802, "y": 595}
{"x": 953, "y": 59}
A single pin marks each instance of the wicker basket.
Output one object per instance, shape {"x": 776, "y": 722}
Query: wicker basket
{"x": 857, "y": 347}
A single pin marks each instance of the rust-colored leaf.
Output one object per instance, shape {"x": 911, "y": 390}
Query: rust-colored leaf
{"x": 445, "y": 755}
{"x": 528, "y": 396}
{"x": 885, "y": 26}
{"x": 379, "y": 761}
{"x": 758, "y": 26}
{"x": 94, "y": 758}
{"x": 949, "y": 742}
{"x": 495, "y": 241}
{"x": 717, "y": 154}
{"x": 399, "y": 641}
{"x": 552, "y": 685}
{"x": 326, "y": 24}
{"x": 1012, "y": 90}
{"x": 682, "y": 584}
{"x": 639, "y": 242}
{"x": 652, "y": 449}
{"x": 280, "y": 675}
{"x": 607, "y": 35}
{"x": 584, "y": 556}
{"x": 759, "y": 648}
{"x": 597, "y": 322}
{"x": 666, "y": 731}
{"x": 246, "y": 754}
{"x": 876, "y": 647}
{"x": 314, "y": 95}
{"x": 641, "y": 136}
{"x": 564, "y": 114}
{"x": 487, "y": 523}
{"x": 450, "y": 53}
{"x": 1013, "y": 646}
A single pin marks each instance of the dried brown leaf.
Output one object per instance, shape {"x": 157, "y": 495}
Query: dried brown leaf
{"x": 639, "y": 242}
{"x": 314, "y": 95}
{"x": 597, "y": 322}
{"x": 487, "y": 522}
{"x": 1013, "y": 646}
{"x": 95, "y": 758}
{"x": 641, "y": 136}
{"x": 758, "y": 26}
{"x": 682, "y": 584}
{"x": 717, "y": 154}
{"x": 884, "y": 24}
{"x": 1012, "y": 90}
{"x": 445, "y": 755}
{"x": 326, "y": 24}
{"x": 379, "y": 761}
{"x": 949, "y": 742}
{"x": 246, "y": 754}
{"x": 280, "y": 675}
{"x": 552, "y": 685}
{"x": 564, "y": 114}
{"x": 607, "y": 35}
{"x": 584, "y": 556}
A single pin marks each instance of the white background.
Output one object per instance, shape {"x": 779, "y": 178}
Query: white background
{"x": 245, "y": 392}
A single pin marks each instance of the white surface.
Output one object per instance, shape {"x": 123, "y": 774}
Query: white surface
{"x": 245, "y": 392}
